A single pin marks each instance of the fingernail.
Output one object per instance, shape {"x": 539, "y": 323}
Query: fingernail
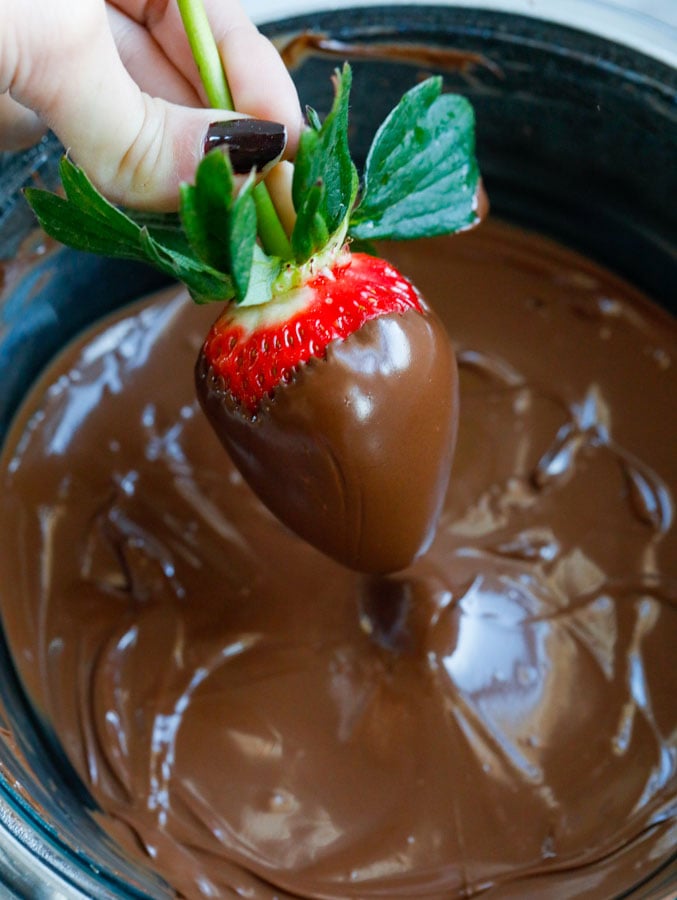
{"x": 251, "y": 143}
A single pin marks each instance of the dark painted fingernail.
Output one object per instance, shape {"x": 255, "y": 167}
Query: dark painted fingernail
{"x": 251, "y": 143}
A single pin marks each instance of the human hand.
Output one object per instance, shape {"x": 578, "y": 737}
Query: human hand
{"x": 117, "y": 83}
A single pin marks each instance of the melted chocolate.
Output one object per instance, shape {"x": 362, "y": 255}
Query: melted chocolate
{"x": 354, "y": 454}
{"x": 256, "y": 720}
{"x": 296, "y": 48}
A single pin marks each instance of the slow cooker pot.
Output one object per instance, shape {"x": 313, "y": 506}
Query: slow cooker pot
{"x": 577, "y": 138}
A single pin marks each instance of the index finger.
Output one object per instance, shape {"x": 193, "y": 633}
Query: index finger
{"x": 257, "y": 77}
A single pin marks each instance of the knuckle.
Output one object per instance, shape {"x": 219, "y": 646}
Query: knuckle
{"x": 139, "y": 164}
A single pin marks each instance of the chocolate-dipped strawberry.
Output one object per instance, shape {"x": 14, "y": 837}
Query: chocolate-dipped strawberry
{"x": 338, "y": 403}
{"x": 327, "y": 378}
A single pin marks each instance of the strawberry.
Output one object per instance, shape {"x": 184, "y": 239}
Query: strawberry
{"x": 339, "y": 407}
{"x": 256, "y": 348}
{"x": 328, "y": 379}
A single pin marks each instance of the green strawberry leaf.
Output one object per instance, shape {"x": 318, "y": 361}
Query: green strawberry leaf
{"x": 313, "y": 119}
{"x": 93, "y": 225}
{"x": 85, "y": 220}
{"x": 205, "y": 285}
{"x": 205, "y": 210}
{"x": 81, "y": 192}
{"x": 325, "y": 178}
{"x": 262, "y": 276}
{"x": 310, "y": 231}
{"x": 219, "y": 222}
{"x": 165, "y": 228}
{"x": 421, "y": 176}
{"x": 242, "y": 238}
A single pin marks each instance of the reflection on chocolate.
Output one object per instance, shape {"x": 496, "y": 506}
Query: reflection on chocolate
{"x": 354, "y": 454}
{"x": 256, "y": 720}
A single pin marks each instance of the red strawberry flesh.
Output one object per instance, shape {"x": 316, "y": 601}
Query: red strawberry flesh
{"x": 253, "y": 363}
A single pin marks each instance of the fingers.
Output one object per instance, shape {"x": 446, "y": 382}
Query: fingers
{"x": 147, "y": 63}
{"x": 268, "y": 92}
{"x": 136, "y": 149}
{"x": 59, "y": 58}
{"x": 258, "y": 79}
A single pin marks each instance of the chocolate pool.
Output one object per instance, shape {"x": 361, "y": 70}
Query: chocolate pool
{"x": 196, "y": 703}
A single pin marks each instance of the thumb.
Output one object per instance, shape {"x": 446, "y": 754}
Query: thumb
{"x": 135, "y": 148}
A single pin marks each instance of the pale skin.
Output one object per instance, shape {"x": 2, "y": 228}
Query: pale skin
{"x": 117, "y": 83}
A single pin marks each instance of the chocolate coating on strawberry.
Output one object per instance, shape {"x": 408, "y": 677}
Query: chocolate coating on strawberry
{"x": 326, "y": 379}
{"x": 353, "y": 452}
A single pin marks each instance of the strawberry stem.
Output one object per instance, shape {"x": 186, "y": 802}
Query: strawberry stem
{"x": 273, "y": 236}
{"x": 205, "y": 53}
{"x": 210, "y": 66}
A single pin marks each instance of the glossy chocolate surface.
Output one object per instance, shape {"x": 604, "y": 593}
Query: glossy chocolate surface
{"x": 255, "y": 720}
{"x": 354, "y": 454}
